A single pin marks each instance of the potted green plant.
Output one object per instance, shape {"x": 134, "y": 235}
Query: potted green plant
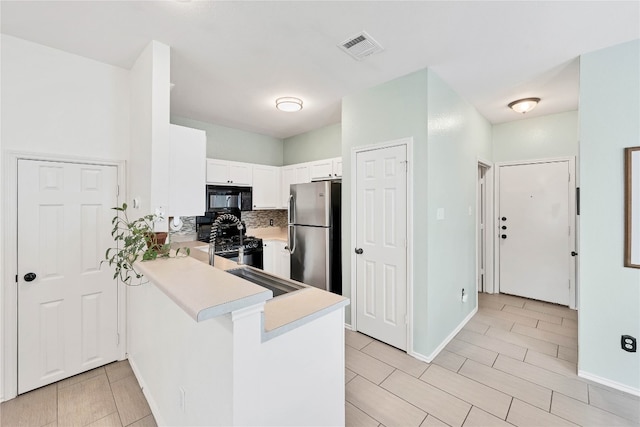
{"x": 136, "y": 241}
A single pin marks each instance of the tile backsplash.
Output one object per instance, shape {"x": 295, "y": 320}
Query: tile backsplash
{"x": 260, "y": 219}
{"x": 252, "y": 219}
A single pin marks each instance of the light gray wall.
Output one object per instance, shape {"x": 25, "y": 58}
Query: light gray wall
{"x": 319, "y": 144}
{"x": 458, "y": 135}
{"x": 555, "y": 135}
{"x": 609, "y": 292}
{"x": 392, "y": 110}
{"x": 448, "y": 136}
{"x": 233, "y": 144}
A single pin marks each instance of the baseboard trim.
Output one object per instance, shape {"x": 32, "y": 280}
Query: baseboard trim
{"x": 155, "y": 410}
{"x": 608, "y": 383}
{"x": 446, "y": 341}
{"x": 348, "y": 326}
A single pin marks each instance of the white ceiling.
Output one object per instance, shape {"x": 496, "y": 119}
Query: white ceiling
{"x": 231, "y": 59}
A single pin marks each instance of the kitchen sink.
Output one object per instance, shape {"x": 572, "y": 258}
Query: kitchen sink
{"x": 277, "y": 285}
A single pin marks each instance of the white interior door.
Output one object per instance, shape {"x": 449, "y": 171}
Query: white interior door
{"x": 535, "y": 231}
{"x": 381, "y": 253}
{"x": 67, "y": 313}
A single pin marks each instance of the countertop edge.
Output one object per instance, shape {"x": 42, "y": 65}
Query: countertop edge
{"x": 280, "y": 330}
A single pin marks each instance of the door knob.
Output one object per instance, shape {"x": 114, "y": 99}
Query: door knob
{"x": 574, "y": 253}
{"x": 504, "y": 236}
{"x": 359, "y": 251}
{"x": 30, "y": 277}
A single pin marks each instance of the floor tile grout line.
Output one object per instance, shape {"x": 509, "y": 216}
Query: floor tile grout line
{"x": 113, "y": 396}
{"x": 503, "y": 392}
{"x": 462, "y": 399}
{"x": 390, "y": 392}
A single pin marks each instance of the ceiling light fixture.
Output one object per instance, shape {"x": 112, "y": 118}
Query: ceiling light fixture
{"x": 289, "y": 104}
{"x": 524, "y": 105}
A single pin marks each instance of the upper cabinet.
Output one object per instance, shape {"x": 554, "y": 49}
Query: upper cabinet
{"x": 271, "y": 184}
{"x": 337, "y": 167}
{"x": 225, "y": 172}
{"x": 266, "y": 187}
{"x": 187, "y": 171}
{"x": 326, "y": 169}
{"x": 322, "y": 169}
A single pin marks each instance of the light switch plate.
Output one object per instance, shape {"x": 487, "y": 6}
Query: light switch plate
{"x": 440, "y": 214}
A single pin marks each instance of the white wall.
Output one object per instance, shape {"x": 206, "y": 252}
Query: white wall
{"x": 609, "y": 292}
{"x": 53, "y": 103}
{"x": 555, "y": 135}
{"x": 148, "y": 171}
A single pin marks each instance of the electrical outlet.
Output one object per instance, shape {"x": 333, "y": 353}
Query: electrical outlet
{"x": 271, "y": 222}
{"x": 628, "y": 343}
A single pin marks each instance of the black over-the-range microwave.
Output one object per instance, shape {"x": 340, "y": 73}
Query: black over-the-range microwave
{"x": 221, "y": 197}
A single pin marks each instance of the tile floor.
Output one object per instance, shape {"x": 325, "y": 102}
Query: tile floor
{"x": 514, "y": 363}
{"x": 104, "y": 397}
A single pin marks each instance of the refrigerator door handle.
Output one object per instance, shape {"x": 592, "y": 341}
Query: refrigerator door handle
{"x": 289, "y": 247}
{"x": 290, "y": 211}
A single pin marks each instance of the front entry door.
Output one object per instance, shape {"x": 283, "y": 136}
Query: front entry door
{"x": 67, "y": 305}
{"x": 381, "y": 253}
{"x": 536, "y": 231}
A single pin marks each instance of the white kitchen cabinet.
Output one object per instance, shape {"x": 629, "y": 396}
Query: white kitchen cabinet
{"x": 225, "y": 172}
{"x": 266, "y": 187}
{"x": 302, "y": 173}
{"x": 326, "y": 169}
{"x": 287, "y": 177}
{"x": 283, "y": 260}
{"x": 276, "y": 259}
{"x": 337, "y": 167}
{"x": 322, "y": 169}
{"x": 269, "y": 256}
{"x": 187, "y": 171}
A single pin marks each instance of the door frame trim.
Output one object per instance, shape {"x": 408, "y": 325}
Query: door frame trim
{"x": 408, "y": 143}
{"x": 488, "y": 243}
{"x": 573, "y": 279}
{"x": 9, "y": 262}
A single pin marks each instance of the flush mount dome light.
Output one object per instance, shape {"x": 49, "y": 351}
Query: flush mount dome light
{"x": 524, "y": 105}
{"x": 289, "y": 104}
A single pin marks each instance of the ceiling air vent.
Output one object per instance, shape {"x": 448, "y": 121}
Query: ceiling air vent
{"x": 360, "y": 46}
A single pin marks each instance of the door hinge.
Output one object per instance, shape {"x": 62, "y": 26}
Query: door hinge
{"x": 117, "y": 339}
{"x": 16, "y": 278}
{"x": 117, "y": 190}
{"x": 405, "y": 162}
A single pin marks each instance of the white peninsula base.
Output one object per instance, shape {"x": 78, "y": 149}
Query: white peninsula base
{"x": 224, "y": 371}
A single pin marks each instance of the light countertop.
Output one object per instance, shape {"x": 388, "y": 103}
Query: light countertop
{"x": 204, "y": 292}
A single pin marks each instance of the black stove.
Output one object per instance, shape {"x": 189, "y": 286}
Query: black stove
{"x": 227, "y": 242}
{"x": 232, "y": 244}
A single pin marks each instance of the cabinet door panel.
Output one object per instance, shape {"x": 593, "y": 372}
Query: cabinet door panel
{"x": 266, "y": 187}
{"x": 217, "y": 172}
{"x": 322, "y": 169}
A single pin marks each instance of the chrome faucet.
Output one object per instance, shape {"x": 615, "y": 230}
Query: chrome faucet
{"x": 214, "y": 233}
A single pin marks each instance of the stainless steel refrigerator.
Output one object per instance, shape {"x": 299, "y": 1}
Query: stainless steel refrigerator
{"x": 314, "y": 234}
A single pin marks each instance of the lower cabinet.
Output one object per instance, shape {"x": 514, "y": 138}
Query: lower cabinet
{"x": 276, "y": 258}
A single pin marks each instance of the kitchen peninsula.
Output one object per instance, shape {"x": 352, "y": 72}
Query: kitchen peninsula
{"x": 209, "y": 348}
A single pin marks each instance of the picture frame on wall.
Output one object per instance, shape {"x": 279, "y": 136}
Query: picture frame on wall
{"x": 632, "y": 207}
